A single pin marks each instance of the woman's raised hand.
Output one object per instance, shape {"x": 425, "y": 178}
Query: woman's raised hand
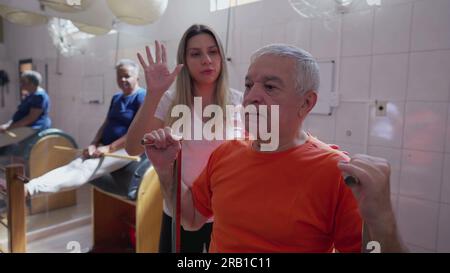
{"x": 157, "y": 75}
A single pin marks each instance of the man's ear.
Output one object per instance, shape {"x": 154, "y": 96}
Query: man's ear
{"x": 309, "y": 100}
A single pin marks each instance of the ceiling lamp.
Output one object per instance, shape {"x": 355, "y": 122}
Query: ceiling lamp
{"x": 138, "y": 12}
{"x": 329, "y": 8}
{"x": 21, "y": 17}
{"x": 64, "y": 36}
{"x": 70, "y": 6}
{"x": 94, "y": 30}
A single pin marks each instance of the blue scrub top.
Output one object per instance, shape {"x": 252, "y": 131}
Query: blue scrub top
{"x": 39, "y": 100}
{"x": 120, "y": 115}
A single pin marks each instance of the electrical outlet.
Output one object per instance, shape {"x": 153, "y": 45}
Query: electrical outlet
{"x": 380, "y": 108}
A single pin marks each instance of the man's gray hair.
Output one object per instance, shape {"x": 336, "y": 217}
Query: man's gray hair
{"x": 33, "y": 77}
{"x": 128, "y": 63}
{"x": 308, "y": 76}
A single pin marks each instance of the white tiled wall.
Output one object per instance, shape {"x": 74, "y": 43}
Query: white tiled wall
{"x": 355, "y": 78}
{"x": 389, "y": 77}
{"x": 399, "y": 53}
{"x": 406, "y": 64}
{"x": 418, "y": 222}
{"x": 387, "y": 130}
{"x": 430, "y": 25}
{"x": 358, "y": 27}
{"x": 392, "y": 29}
{"x": 425, "y": 126}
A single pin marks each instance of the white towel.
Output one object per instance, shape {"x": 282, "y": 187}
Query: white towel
{"x": 75, "y": 174}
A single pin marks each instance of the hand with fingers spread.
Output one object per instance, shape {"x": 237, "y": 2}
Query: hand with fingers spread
{"x": 164, "y": 149}
{"x": 157, "y": 75}
{"x": 371, "y": 189}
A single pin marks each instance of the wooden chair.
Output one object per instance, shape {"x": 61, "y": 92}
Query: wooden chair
{"x": 114, "y": 216}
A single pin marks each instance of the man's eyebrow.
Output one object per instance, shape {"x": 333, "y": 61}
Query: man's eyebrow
{"x": 273, "y": 78}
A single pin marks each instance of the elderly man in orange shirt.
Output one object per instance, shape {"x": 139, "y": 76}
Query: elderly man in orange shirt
{"x": 290, "y": 199}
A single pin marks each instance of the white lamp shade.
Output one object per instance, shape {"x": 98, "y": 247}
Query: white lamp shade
{"x": 21, "y": 17}
{"x": 70, "y": 6}
{"x": 138, "y": 12}
{"x": 91, "y": 29}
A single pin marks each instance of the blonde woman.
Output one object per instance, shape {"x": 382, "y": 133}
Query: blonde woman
{"x": 201, "y": 72}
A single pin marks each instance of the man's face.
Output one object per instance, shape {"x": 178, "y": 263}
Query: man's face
{"x": 271, "y": 81}
{"x": 126, "y": 79}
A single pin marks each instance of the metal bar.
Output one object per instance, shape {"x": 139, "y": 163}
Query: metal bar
{"x": 16, "y": 208}
{"x": 22, "y": 178}
{"x": 176, "y": 204}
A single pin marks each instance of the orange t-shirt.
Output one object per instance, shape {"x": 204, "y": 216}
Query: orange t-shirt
{"x": 290, "y": 201}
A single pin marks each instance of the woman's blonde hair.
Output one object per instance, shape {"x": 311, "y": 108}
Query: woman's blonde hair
{"x": 185, "y": 86}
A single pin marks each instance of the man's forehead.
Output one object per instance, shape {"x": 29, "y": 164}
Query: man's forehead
{"x": 271, "y": 67}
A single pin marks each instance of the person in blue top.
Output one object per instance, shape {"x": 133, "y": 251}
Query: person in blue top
{"x": 124, "y": 105}
{"x": 110, "y": 138}
{"x": 33, "y": 109}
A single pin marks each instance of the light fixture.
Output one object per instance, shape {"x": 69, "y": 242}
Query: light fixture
{"x": 65, "y": 35}
{"x": 374, "y": 3}
{"x": 94, "y": 30}
{"x": 70, "y": 6}
{"x": 21, "y": 17}
{"x": 138, "y": 12}
{"x": 344, "y": 3}
{"x": 329, "y": 8}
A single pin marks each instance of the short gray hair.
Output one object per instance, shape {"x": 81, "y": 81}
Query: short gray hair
{"x": 308, "y": 75}
{"x": 33, "y": 77}
{"x": 129, "y": 63}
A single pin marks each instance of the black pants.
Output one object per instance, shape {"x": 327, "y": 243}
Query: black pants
{"x": 191, "y": 241}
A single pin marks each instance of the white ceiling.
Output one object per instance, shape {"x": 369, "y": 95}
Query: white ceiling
{"x": 98, "y": 14}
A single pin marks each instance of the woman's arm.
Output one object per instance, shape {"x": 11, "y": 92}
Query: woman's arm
{"x": 162, "y": 153}
{"x": 158, "y": 79}
{"x": 144, "y": 121}
{"x": 32, "y": 116}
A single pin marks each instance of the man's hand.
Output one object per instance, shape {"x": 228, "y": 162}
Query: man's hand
{"x": 371, "y": 188}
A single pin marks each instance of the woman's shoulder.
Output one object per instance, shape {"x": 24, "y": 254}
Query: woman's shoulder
{"x": 235, "y": 97}
{"x": 39, "y": 95}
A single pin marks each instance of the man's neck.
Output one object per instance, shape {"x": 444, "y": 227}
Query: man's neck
{"x": 285, "y": 144}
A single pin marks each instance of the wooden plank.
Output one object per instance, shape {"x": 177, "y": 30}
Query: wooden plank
{"x": 149, "y": 213}
{"x": 16, "y": 209}
{"x": 110, "y": 218}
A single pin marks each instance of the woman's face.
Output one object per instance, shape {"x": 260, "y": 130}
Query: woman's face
{"x": 25, "y": 84}
{"x": 203, "y": 59}
{"x": 126, "y": 80}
